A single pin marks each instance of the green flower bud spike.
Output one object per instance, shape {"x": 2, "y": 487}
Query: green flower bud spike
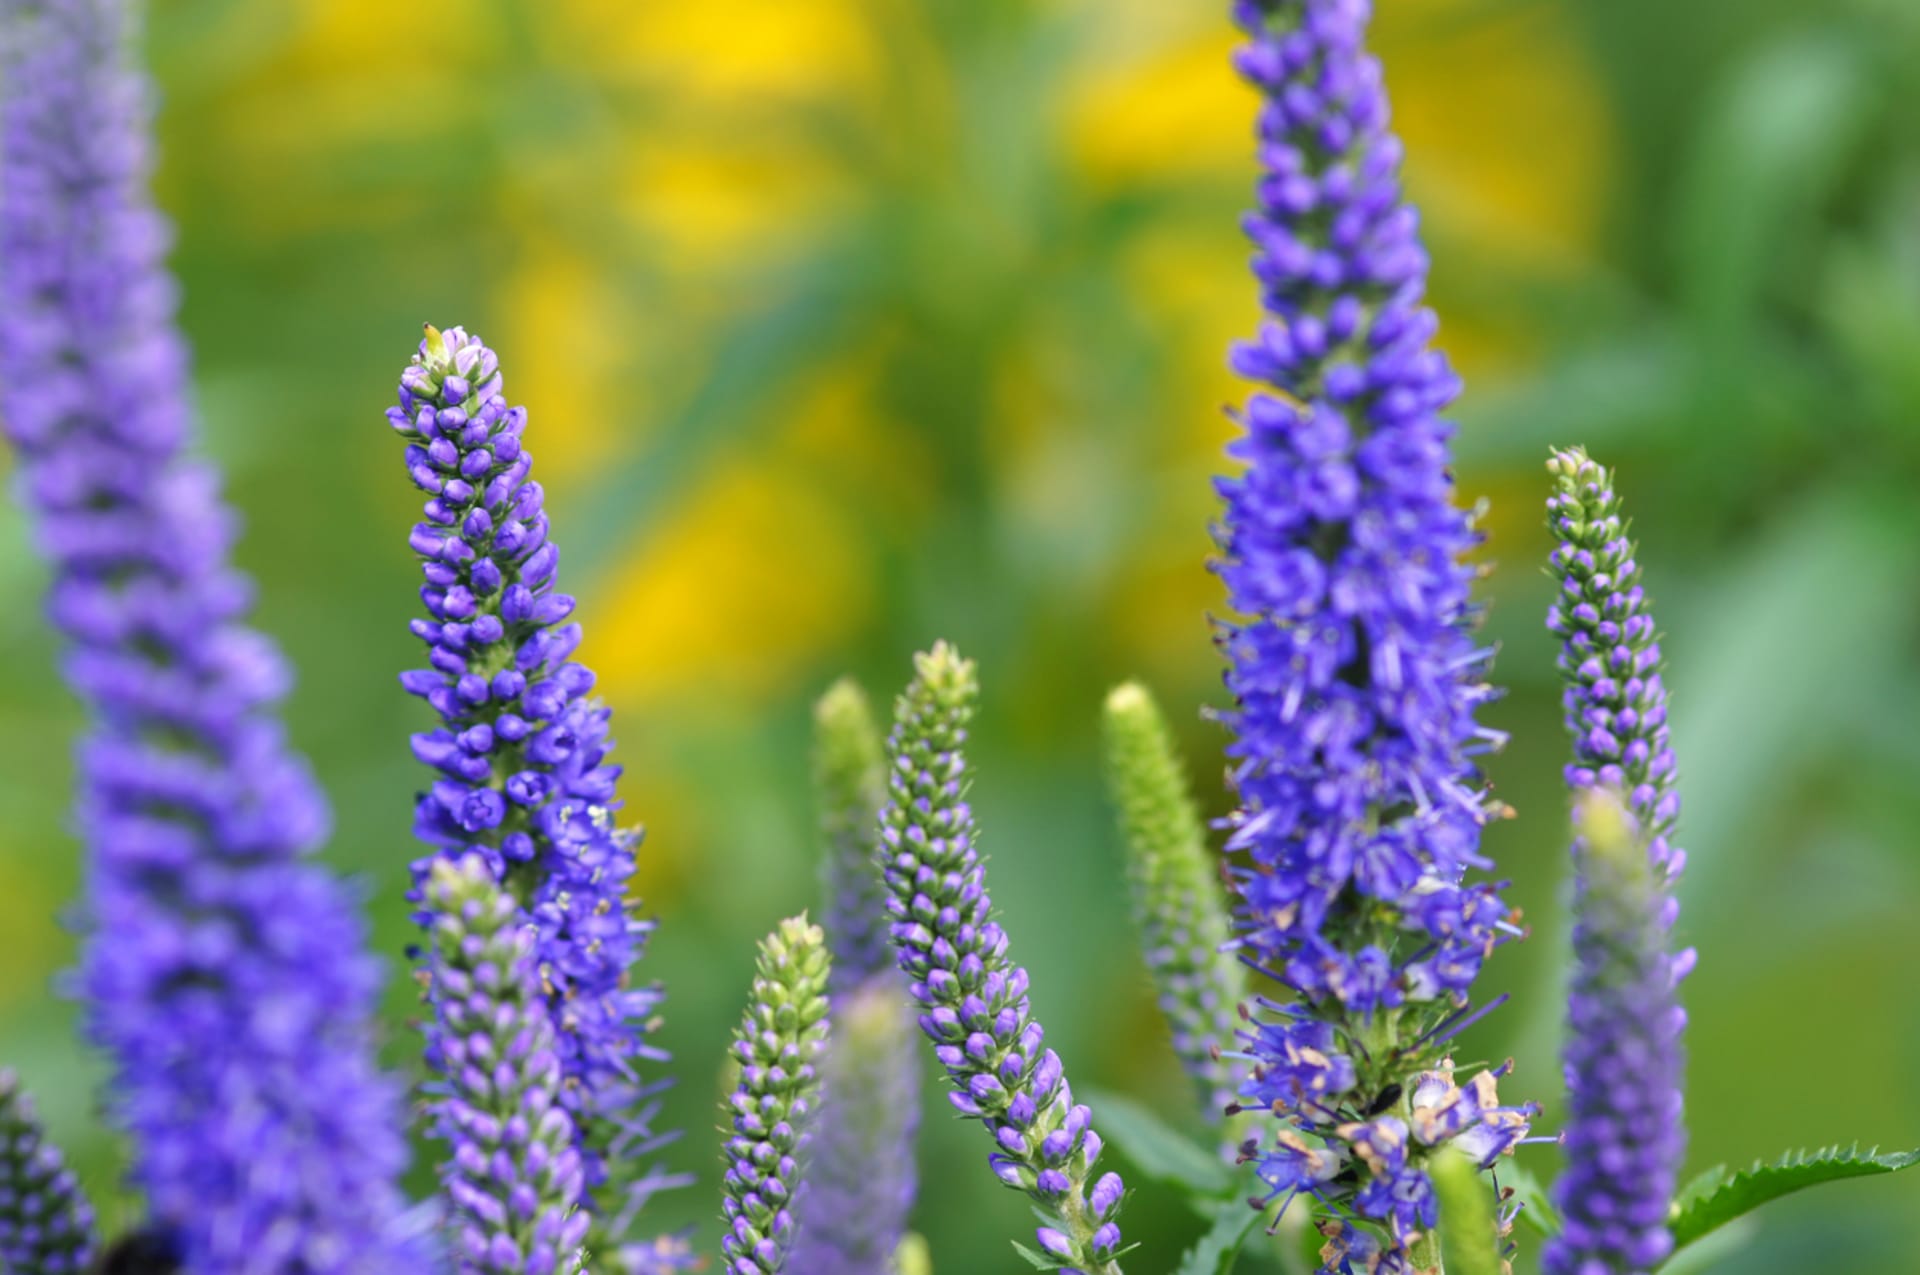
{"x": 973, "y": 998}
{"x": 778, "y": 1048}
{"x": 1179, "y": 903}
{"x": 1470, "y": 1234}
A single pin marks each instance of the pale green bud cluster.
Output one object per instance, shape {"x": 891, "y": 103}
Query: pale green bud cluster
{"x": 1179, "y": 902}
{"x": 778, "y": 1048}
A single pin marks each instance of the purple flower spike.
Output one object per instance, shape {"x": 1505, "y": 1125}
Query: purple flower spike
{"x": 513, "y": 1177}
{"x": 225, "y": 977}
{"x": 1351, "y": 655}
{"x": 46, "y": 1223}
{"x": 524, "y": 781}
{"x": 862, "y": 1181}
{"x": 972, "y": 996}
{"x": 1625, "y": 1137}
{"x": 1615, "y": 700}
{"x": 772, "y": 1106}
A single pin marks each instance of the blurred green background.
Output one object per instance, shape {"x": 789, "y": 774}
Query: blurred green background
{"x": 845, "y": 324}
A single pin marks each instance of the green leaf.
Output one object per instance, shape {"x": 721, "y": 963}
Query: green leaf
{"x": 1536, "y": 1207}
{"x": 1158, "y": 1151}
{"x": 1718, "y": 1196}
{"x": 1812, "y": 592}
{"x": 1233, "y": 1221}
{"x": 1466, "y": 1216}
{"x": 1706, "y": 1256}
{"x": 1035, "y": 1258}
{"x": 1597, "y": 394}
{"x": 1775, "y": 140}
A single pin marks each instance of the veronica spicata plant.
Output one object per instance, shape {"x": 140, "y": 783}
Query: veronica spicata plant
{"x": 972, "y": 996}
{"x": 1353, "y": 666}
{"x": 224, "y": 975}
{"x": 862, "y": 1178}
{"x": 778, "y": 1049}
{"x": 524, "y": 781}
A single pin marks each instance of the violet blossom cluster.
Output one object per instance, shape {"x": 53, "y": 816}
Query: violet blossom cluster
{"x": 224, "y": 975}
{"x": 972, "y": 996}
{"x": 1352, "y": 660}
{"x": 1625, "y": 1137}
{"x": 522, "y": 750}
{"x": 861, "y": 1179}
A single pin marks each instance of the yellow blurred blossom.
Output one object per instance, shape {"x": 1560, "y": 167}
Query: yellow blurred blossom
{"x": 1169, "y": 113}
{"x": 1507, "y": 133}
{"x": 753, "y": 579}
{"x": 702, "y": 203}
{"x": 363, "y": 33}
{"x": 568, "y": 331}
{"x": 1510, "y": 141}
{"x": 839, "y": 433}
{"x": 29, "y": 917}
{"x": 758, "y": 48}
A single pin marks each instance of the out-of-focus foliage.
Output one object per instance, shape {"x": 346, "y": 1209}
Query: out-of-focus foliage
{"x": 849, "y": 323}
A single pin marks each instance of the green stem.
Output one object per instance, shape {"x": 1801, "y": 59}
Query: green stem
{"x": 1080, "y": 1228}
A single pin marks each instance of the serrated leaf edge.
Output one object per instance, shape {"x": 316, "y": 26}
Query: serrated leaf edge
{"x": 1718, "y": 1181}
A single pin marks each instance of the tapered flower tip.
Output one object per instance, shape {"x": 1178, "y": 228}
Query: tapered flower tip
{"x": 913, "y": 1257}
{"x": 943, "y": 673}
{"x": 794, "y": 957}
{"x": 849, "y": 757}
{"x": 1129, "y": 700}
{"x": 451, "y": 882}
{"x": 843, "y": 710}
{"x": 792, "y": 976}
{"x": 1572, "y": 465}
{"x": 1135, "y": 725}
{"x": 435, "y": 348}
